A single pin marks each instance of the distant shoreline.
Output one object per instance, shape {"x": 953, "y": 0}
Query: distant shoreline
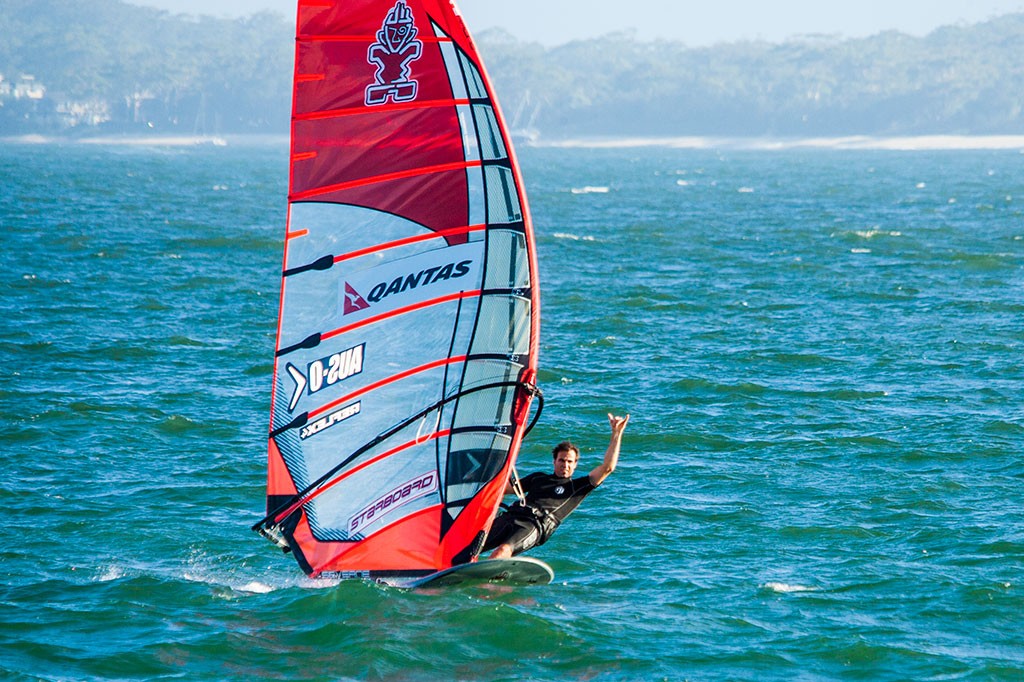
{"x": 149, "y": 140}
{"x": 842, "y": 143}
{"x": 850, "y": 142}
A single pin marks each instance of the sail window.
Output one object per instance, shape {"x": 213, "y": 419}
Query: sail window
{"x": 448, "y": 52}
{"x": 508, "y": 261}
{"x": 491, "y": 144}
{"x": 478, "y": 460}
{"x": 502, "y": 199}
{"x": 489, "y": 408}
{"x": 498, "y": 331}
{"x": 474, "y": 83}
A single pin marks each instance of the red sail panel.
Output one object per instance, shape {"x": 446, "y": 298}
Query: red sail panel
{"x": 409, "y": 320}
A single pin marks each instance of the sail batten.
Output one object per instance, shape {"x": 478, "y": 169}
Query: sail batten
{"x": 391, "y": 108}
{"x": 409, "y": 319}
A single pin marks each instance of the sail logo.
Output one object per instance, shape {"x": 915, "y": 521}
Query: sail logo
{"x": 402, "y": 283}
{"x": 402, "y": 495}
{"x": 325, "y": 372}
{"x": 353, "y": 301}
{"x": 395, "y": 48}
{"x": 328, "y": 420}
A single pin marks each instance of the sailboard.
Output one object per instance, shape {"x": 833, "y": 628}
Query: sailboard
{"x": 406, "y": 356}
{"x": 514, "y": 571}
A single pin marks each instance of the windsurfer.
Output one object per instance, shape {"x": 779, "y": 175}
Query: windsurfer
{"x": 549, "y": 498}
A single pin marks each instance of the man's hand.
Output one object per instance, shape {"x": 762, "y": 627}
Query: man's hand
{"x": 618, "y": 424}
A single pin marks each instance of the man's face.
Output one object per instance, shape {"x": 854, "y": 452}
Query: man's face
{"x": 565, "y": 463}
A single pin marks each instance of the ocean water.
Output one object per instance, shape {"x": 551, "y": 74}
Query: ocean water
{"x": 821, "y": 352}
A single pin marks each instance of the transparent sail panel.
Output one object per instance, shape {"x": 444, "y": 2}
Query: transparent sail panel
{"x": 508, "y": 261}
{"x": 502, "y": 200}
{"x": 490, "y": 138}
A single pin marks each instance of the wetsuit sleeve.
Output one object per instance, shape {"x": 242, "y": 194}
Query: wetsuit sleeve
{"x": 527, "y": 482}
{"x": 583, "y": 486}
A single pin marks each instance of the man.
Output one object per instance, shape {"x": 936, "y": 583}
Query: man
{"x": 550, "y": 497}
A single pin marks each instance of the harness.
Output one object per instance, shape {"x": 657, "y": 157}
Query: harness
{"x": 544, "y": 520}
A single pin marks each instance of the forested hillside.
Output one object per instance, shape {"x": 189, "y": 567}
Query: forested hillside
{"x": 86, "y": 65}
{"x": 142, "y": 68}
{"x": 967, "y": 80}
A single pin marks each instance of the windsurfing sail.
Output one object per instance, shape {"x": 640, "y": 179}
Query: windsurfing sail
{"x": 409, "y": 319}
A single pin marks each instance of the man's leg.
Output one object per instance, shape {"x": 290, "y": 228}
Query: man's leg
{"x": 504, "y": 551}
{"x": 523, "y": 538}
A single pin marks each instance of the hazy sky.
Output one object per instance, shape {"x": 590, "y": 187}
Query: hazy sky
{"x": 554, "y": 22}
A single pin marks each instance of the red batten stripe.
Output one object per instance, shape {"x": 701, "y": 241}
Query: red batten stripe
{"x": 409, "y": 240}
{"x": 304, "y": 156}
{"x": 400, "y": 311}
{"x": 326, "y": 486}
{"x": 386, "y": 177}
{"x": 454, "y": 360}
{"x": 309, "y": 77}
{"x": 380, "y": 109}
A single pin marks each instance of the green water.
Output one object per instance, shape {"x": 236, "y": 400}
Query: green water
{"x": 822, "y": 478}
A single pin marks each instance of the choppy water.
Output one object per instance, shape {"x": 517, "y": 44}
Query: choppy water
{"x": 821, "y": 351}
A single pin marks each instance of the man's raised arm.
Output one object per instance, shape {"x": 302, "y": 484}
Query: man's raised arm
{"x": 611, "y": 455}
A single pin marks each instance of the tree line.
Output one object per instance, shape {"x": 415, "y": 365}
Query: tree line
{"x": 147, "y": 68}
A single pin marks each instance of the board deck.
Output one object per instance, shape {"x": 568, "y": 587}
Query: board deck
{"x": 514, "y": 571}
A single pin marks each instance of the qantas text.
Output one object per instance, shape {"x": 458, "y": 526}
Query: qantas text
{"x": 433, "y": 275}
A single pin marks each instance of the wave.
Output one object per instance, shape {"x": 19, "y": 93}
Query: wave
{"x": 786, "y": 588}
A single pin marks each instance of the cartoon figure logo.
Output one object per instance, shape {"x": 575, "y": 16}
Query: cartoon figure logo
{"x": 396, "y": 46}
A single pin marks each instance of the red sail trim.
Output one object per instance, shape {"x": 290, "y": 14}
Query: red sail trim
{"x": 409, "y": 240}
{"x": 415, "y": 172}
{"x": 401, "y": 311}
{"x": 454, "y": 360}
{"x": 384, "y": 455}
{"x": 392, "y": 548}
{"x": 380, "y": 109}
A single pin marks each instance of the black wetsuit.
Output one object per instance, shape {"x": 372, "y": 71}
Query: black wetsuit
{"x": 549, "y": 499}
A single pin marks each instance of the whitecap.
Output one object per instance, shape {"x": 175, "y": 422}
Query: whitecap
{"x": 787, "y": 588}
{"x": 255, "y": 587}
{"x": 229, "y": 586}
{"x": 589, "y": 189}
{"x": 746, "y": 190}
{"x": 110, "y": 573}
{"x": 868, "y": 234}
{"x": 573, "y": 237}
